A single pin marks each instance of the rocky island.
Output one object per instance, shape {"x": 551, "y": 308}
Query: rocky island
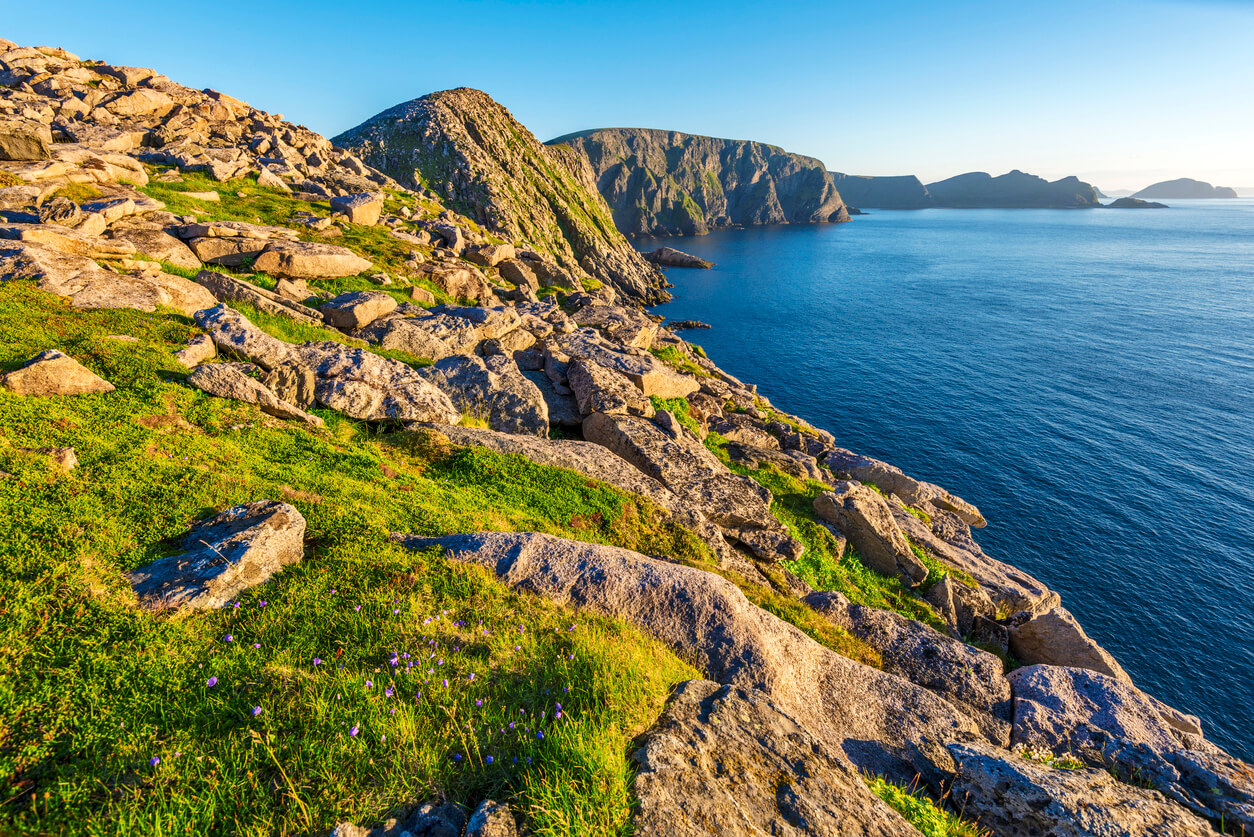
{"x": 350, "y": 490}
{"x": 1185, "y": 188}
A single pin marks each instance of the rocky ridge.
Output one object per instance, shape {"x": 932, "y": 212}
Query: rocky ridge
{"x": 652, "y": 416}
{"x": 668, "y": 183}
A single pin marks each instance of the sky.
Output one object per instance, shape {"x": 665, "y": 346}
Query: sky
{"x": 1117, "y": 92}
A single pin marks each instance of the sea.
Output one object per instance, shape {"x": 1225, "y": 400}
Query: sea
{"x": 1086, "y": 377}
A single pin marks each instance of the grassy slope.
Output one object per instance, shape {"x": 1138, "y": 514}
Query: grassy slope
{"x": 91, "y": 689}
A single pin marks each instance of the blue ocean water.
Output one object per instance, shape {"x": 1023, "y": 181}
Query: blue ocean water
{"x": 1085, "y": 377}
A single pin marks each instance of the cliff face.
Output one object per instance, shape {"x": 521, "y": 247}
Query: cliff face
{"x": 1014, "y": 190}
{"x": 669, "y": 183}
{"x": 1185, "y": 187}
{"x": 471, "y": 151}
{"x": 899, "y": 192}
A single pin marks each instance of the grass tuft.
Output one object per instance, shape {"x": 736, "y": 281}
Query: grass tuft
{"x": 930, "y": 819}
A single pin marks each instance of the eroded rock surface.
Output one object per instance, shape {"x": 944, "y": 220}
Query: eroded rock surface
{"x": 54, "y": 373}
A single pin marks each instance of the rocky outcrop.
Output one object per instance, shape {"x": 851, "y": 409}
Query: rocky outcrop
{"x": 222, "y": 556}
{"x": 1014, "y": 797}
{"x": 863, "y": 516}
{"x": 881, "y": 723}
{"x": 893, "y": 192}
{"x": 669, "y": 183}
{"x": 1111, "y": 725}
{"x": 670, "y": 257}
{"x": 492, "y": 389}
{"x": 53, "y": 373}
{"x": 1014, "y": 190}
{"x": 1135, "y": 203}
{"x": 476, "y": 156}
{"x": 229, "y": 380}
{"x": 1055, "y": 638}
{"x": 1184, "y": 188}
{"x": 726, "y": 760}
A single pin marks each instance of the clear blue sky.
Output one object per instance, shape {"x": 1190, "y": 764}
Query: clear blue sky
{"x": 1121, "y": 93}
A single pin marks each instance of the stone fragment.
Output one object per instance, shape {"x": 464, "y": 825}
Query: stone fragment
{"x": 428, "y": 820}
{"x": 270, "y": 180}
{"x": 491, "y": 819}
{"x": 229, "y": 289}
{"x": 628, "y": 326}
{"x": 363, "y": 385}
{"x": 864, "y": 517}
{"x": 222, "y": 556}
{"x": 489, "y": 255}
{"x": 225, "y": 380}
{"x": 727, "y": 760}
{"x": 61, "y": 211}
{"x": 1014, "y": 797}
{"x": 24, "y": 139}
{"x": 889, "y": 479}
{"x": 670, "y": 257}
{"x": 359, "y": 208}
{"x": 601, "y": 390}
{"x": 53, "y": 373}
{"x": 309, "y": 260}
{"x": 1055, "y": 638}
{"x": 357, "y": 309}
{"x": 650, "y": 375}
{"x": 197, "y": 350}
{"x": 458, "y": 280}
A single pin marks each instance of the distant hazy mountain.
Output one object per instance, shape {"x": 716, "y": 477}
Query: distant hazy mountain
{"x": 1015, "y": 190}
{"x": 1185, "y": 187}
{"x": 897, "y": 192}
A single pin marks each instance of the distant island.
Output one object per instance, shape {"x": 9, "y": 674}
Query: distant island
{"x": 974, "y": 190}
{"x": 1184, "y": 187}
{"x": 1134, "y": 203}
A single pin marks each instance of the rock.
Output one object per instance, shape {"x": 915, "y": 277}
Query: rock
{"x": 63, "y": 459}
{"x": 519, "y": 273}
{"x": 198, "y": 350}
{"x": 650, "y": 375}
{"x": 428, "y": 820}
{"x": 111, "y": 209}
{"x": 1055, "y": 638}
{"x": 492, "y": 389}
{"x": 690, "y": 471}
{"x": 1014, "y": 797}
{"x": 1135, "y": 203}
{"x": 1111, "y": 725}
{"x": 309, "y": 260}
{"x": 489, "y": 255}
{"x": 229, "y": 289}
{"x": 359, "y": 208}
{"x": 847, "y": 465}
{"x": 211, "y": 197}
{"x": 744, "y": 430}
{"x": 53, "y": 373}
{"x": 293, "y": 290}
{"x": 623, "y": 325}
{"x": 601, "y": 390}
{"x": 357, "y": 309}
{"x": 61, "y": 211}
{"x": 222, "y": 556}
{"x": 882, "y": 723}
{"x": 684, "y": 325}
{"x": 490, "y": 322}
{"x": 726, "y": 760}
{"x": 491, "y": 819}
{"x": 792, "y": 462}
{"x": 563, "y": 411}
{"x": 292, "y": 383}
{"x": 227, "y": 252}
{"x": 225, "y": 380}
{"x": 458, "y": 281}
{"x": 24, "y": 139}
{"x": 670, "y": 257}
{"x": 422, "y": 296}
{"x": 366, "y": 386}
{"x": 967, "y": 677}
{"x": 270, "y": 180}
{"x": 767, "y": 544}
{"x": 863, "y": 516}
{"x": 156, "y": 243}
{"x": 433, "y": 336}
{"x": 234, "y": 334}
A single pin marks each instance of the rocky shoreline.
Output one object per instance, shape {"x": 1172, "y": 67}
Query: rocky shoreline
{"x": 473, "y": 322}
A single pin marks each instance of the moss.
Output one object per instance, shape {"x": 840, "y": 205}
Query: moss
{"x": 673, "y": 357}
{"x": 8, "y": 178}
{"x": 78, "y": 192}
{"x": 680, "y": 409}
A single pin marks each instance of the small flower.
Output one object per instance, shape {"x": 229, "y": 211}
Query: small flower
{"x": 489, "y": 760}
{"x": 457, "y": 757}
{"x": 446, "y": 684}
{"x": 228, "y": 638}
{"x": 317, "y": 661}
{"x": 256, "y": 711}
{"x": 353, "y": 732}
{"x": 479, "y": 702}
{"x": 369, "y": 684}
{"x": 395, "y": 610}
{"x": 472, "y": 676}
{"x": 154, "y": 761}
{"x": 388, "y": 692}
{"x": 237, "y": 604}
{"x": 256, "y": 645}
{"x": 383, "y": 737}
{"x": 211, "y": 682}
{"x": 357, "y": 608}
{"x": 263, "y": 602}
{"x": 539, "y": 735}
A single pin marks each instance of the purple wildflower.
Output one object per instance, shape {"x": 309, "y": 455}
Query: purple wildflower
{"x": 317, "y": 661}
{"x": 228, "y": 638}
{"x": 256, "y": 711}
{"x": 211, "y": 682}
{"x": 489, "y": 760}
{"x": 353, "y": 732}
{"x": 154, "y": 761}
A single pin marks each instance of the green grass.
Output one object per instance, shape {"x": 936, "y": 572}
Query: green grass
{"x": 92, "y": 688}
{"x": 822, "y": 566}
{"x": 930, "y": 819}
{"x": 676, "y": 359}
{"x": 8, "y": 178}
{"x": 680, "y": 409}
{"x": 292, "y": 331}
{"x": 78, "y": 192}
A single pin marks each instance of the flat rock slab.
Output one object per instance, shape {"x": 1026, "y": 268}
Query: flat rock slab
{"x": 726, "y": 760}
{"x": 1014, "y": 797}
{"x": 493, "y": 389}
{"x": 229, "y": 289}
{"x": 1055, "y": 638}
{"x": 881, "y": 722}
{"x": 309, "y": 260}
{"x": 54, "y": 373}
{"x": 359, "y": 208}
{"x": 357, "y": 309}
{"x": 222, "y": 556}
{"x": 890, "y": 479}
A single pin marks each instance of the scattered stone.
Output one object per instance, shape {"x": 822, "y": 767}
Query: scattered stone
{"x": 61, "y": 211}
{"x": 428, "y": 820}
{"x": 211, "y": 197}
{"x": 359, "y": 208}
{"x": 492, "y": 389}
{"x": 601, "y": 390}
{"x": 24, "y": 139}
{"x": 270, "y": 180}
{"x": 670, "y": 257}
{"x": 1014, "y": 797}
{"x": 229, "y": 289}
{"x": 421, "y": 295}
{"x": 222, "y": 556}
{"x": 53, "y": 373}
{"x": 309, "y": 260}
{"x": 491, "y": 819}
{"x": 727, "y": 760}
{"x": 489, "y": 255}
{"x": 458, "y": 280}
{"x": 227, "y": 380}
{"x": 864, "y": 518}
{"x": 1055, "y": 638}
{"x": 64, "y": 459}
{"x": 357, "y": 309}
{"x": 197, "y": 350}
{"x": 365, "y": 386}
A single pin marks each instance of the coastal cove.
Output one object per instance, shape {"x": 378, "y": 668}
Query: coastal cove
{"x": 1085, "y": 377}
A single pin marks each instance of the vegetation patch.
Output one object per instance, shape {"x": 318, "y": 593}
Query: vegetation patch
{"x": 8, "y": 178}
{"x": 929, "y": 818}
{"x": 673, "y": 357}
{"x": 680, "y": 409}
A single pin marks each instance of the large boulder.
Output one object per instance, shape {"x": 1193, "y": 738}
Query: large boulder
{"x": 432, "y": 336}
{"x": 1055, "y": 638}
{"x": 628, "y": 326}
{"x": 357, "y": 309}
{"x": 1014, "y": 797}
{"x": 1111, "y": 725}
{"x": 598, "y": 389}
{"x": 864, "y": 518}
{"x": 229, "y": 289}
{"x": 458, "y": 280}
{"x": 491, "y": 819}
{"x": 967, "y": 677}
{"x": 309, "y": 260}
{"x": 227, "y": 380}
{"x": 24, "y": 139}
{"x": 154, "y": 242}
{"x": 882, "y": 723}
{"x": 492, "y": 389}
{"x": 359, "y": 207}
{"x": 222, "y": 556}
{"x": 54, "y": 373}
{"x": 365, "y": 386}
{"x": 650, "y": 375}
{"x": 489, "y": 255}
{"x": 890, "y": 479}
{"x": 233, "y": 334}
{"x": 726, "y": 760}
